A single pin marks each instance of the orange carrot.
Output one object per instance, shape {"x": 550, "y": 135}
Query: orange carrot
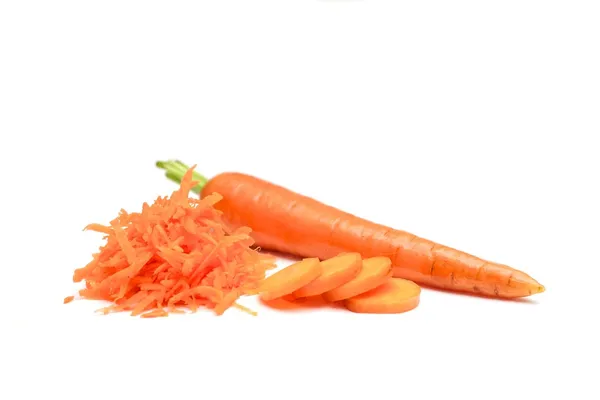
{"x": 374, "y": 272}
{"x": 290, "y": 279}
{"x": 176, "y": 252}
{"x": 336, "y": 271}
{"x": 395, "y": 295}
{"x": 289, "y": 222}
{"x": 155, "y": 313}
{"x": 226, "y": 302}
{"x": 68, "y": 299}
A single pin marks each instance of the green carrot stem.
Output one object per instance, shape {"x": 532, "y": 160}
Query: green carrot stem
{"x": 175, "y": 169}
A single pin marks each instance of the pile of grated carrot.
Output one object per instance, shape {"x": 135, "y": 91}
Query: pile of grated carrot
{"x": 176, "y": 254}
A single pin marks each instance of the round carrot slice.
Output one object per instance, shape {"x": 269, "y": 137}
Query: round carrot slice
{"x": 336, "y": 271}
{"x": 394, "y": 296}
{"x": 290, "y": 278}
{"x": 374, "y": 272}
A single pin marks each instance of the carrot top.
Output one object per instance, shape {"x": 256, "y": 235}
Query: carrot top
{"x": 176, "y": 252}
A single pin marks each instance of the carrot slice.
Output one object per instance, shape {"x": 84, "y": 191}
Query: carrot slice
{"x": 336, "y": 271}
{"x": 374, "y": 272}
{"x": 290, "y": 278}
{"x": 394, "y": 296}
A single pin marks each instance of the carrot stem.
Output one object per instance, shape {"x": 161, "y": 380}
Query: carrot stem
{"x": 175, "y": 170}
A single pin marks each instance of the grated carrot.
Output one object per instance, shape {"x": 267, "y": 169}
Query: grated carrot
{"x": 68, "y": 299}
{"x": 176, "y": 253}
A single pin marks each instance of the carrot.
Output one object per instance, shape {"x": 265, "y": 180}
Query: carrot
{"x": 288, "y": 222}
{"x": 374, "y": 272}
{"x": 155, "y": 313}
{"x": 245, "y": 309}
{"x": 336, "y": 271}
{"x": 290, "y": 279}
{"x": 395, "y": 295}
{"x": 226, "y": 302}
{"x": 177, "y": 252}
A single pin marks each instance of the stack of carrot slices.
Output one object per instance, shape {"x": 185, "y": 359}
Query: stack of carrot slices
{"x": 176, "y": 254}
{"x": 361, "y": 285}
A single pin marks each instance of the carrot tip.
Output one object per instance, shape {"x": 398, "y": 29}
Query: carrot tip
{"x": 541, "y": 289}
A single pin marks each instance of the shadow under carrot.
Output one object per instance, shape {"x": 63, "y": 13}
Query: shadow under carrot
{"x": 482, "y": 296}
{"x": 289, "y": 303}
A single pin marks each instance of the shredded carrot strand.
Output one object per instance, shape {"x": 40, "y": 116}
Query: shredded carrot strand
{"x": 245, "y": 309}
{"x": 159, "y": 312}
{"x": 98, "y": 228}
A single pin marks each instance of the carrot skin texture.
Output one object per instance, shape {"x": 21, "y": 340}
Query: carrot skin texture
{"x": 289, "y": 222}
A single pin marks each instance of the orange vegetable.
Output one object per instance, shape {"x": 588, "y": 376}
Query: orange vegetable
{"x": 289, "y": 222}
{"x": 290, "y": 279}
{"x": 395, "y": 295}
{"x": 374, "y": 272}
{"x": 176, "y": 252}
{"x": 336, "y": 271}
{"x": 156, "y": 313}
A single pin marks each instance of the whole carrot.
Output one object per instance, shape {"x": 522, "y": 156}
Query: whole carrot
{"x": 289, "y": 222}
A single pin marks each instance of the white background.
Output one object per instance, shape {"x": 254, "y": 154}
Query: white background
{"x": 470, "y": 123}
